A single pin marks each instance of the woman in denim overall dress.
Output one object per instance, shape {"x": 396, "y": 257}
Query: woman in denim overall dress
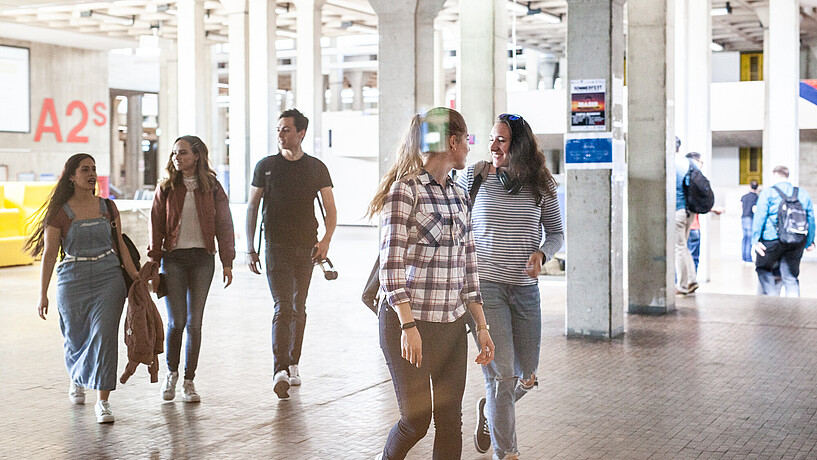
{"x": 90, "y": 286}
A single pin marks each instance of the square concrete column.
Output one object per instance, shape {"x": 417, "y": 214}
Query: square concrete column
{"x": 134, "y": 157}
{"x": 781, "y": 70}
{"x": 651, "y": 157}
{"x": 698, "y": 125}
{"x": 405, "y": 67}
{"x": 595, "y": 197}
{"x": 356, "y": 80}
{"x": 309, "y": 90}
{"x": 238, "y": 31}
{"x": 168, "y": 101}
{"x": 681, "y": 64}
{"x": 263, "y": 81}
{"x": 482, "y": 63}
{"x": 193, "y": 68}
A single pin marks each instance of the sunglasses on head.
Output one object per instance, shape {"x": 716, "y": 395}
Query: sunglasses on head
{"x": 511, "y": 116}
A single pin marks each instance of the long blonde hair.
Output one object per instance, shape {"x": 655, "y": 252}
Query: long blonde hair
{"x": 204, "y": 171}
{"x": 427, "y": 135}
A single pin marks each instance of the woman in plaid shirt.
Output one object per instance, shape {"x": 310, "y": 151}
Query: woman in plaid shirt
{"x": 428, "y": 277}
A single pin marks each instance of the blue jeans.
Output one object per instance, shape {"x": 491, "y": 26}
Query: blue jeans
{"x": 694, "y": 245}
{"x": 514, "y": 315}
{"x": 289, "y": 272}
{"x": 445, "y": 357}
{"x": 188, "y": 275}
{"x": 786, "y": 258}
{"x": 746, "y": 244}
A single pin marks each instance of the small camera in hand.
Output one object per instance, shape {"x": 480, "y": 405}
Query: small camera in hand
{"x": 328, "y": 273}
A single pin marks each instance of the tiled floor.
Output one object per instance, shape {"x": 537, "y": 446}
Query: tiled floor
{"x": 726, "y": 376}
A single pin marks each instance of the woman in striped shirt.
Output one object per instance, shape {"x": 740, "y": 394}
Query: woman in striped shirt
{"x": 514, "y": 203}
{"x": 428, "y": 277}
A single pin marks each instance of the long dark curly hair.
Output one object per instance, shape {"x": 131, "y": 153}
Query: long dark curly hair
{"x": 59, "y": 196}
{"x": 526, "y": 161}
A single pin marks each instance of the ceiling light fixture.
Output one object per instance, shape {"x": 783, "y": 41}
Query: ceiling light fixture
{"x": 722, "y": 11}
{"x": 522, "y": 10}
{"x": 715, "y": 47}
{"x": 109, "y": 18}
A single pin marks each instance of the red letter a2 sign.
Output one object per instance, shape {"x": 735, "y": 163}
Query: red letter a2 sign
{"x": 53, "y": 125}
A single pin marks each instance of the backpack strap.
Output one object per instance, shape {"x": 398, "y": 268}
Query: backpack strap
{"x": 785, "y": 197}
{"x": 267, "y": 175}
{"x": 481, "y": 169}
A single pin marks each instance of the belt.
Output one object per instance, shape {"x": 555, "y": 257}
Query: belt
{"x": 69, "y": 258}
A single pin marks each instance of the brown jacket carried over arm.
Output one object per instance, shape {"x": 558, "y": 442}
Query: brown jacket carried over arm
{"x": 144, "y": 332}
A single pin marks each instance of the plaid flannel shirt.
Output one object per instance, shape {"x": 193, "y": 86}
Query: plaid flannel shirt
{"x": 428, "y": 258}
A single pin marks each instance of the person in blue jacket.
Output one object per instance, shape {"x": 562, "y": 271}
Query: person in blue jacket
{"x": 771, "y": 252}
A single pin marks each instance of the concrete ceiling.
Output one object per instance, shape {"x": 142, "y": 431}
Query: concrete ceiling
{"x": 740, "y": 30}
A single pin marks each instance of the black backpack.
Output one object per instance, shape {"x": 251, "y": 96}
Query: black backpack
{"x": 792, "y": 224}
{"x": 697, "y": 191}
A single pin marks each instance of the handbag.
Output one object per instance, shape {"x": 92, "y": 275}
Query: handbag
{"x": 372, "y": 287}
{"x": 134, "y": 253}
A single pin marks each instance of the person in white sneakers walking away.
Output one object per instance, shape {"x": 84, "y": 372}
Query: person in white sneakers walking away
{"x": 190, "y": 212}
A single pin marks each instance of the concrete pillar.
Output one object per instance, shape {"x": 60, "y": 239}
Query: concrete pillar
{"x": 439, "y": 71}
{"x": 781, "y": 65}
{"x": 193, "y": 68}
{"x": 482, "y": 62}
{"x": 681, "y": 65}
{"x": 263, "y": 81}
{"x": 356, "y": 79}
{"x": 405, "y": 69}
{"x": 336, "y": 80}
{"x": 217, "y": 130}
{"x": 309, "y": 91}
{"x": 532, "y": 68}
{"x": 168, "y": 103}
{"x": 134, "y": 158}
{"x": 595, "y": 197}
{"x": 699, "y": 129}
{"x": 651, "y": 157}
{"x": 238, "y": 32}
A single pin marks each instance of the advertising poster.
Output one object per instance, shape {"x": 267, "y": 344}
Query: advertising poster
{"x": 587, "y": 105}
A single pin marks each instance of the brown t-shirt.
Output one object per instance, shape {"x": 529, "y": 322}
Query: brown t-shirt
{"x": 63, "y": 222}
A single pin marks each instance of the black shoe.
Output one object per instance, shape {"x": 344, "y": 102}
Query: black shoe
{"x": 482, "y": 435}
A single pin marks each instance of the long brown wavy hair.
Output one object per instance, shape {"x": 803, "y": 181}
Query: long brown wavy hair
{"x": 204, "y": 170}
{"x": 35, "y": 244}
{"x": 427, "y": 135}
{"x": 526, "y": 161}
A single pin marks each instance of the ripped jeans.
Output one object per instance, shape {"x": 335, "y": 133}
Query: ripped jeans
{"x": 514, "y": 315}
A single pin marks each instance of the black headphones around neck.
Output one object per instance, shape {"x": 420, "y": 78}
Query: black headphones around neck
{"x": 511, "y": 184}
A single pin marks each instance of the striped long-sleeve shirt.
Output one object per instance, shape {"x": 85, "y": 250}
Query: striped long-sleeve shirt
{"x": 427, "y": 257}
{"x": 508, "y": 229}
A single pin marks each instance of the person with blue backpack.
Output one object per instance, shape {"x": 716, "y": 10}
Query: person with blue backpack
{"x": 783, "y": 226}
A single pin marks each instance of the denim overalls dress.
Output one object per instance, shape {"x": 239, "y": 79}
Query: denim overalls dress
{"x": 90, "y": 298}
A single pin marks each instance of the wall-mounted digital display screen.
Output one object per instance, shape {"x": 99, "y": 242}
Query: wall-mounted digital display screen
{"x": 15, "y": 90}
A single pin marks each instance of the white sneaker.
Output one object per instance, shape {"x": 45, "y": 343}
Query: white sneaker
{"x": 76, "y": 394}
{"x": 189, "y": 391}
{"x": 169, "y": 386}
{"x": 281, "y": 385}
{"x": 294, "y": 376}
{"x": 103, "y": 412}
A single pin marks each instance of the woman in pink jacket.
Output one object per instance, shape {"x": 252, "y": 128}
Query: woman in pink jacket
{"x": 190, "y": 211}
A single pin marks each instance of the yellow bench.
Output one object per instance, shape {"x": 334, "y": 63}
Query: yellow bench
{"x": 28, "y": 197}
{"x": 12, "y": 237}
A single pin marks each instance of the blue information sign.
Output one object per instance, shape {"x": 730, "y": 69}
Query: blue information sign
{"x": 590, "y": 152}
